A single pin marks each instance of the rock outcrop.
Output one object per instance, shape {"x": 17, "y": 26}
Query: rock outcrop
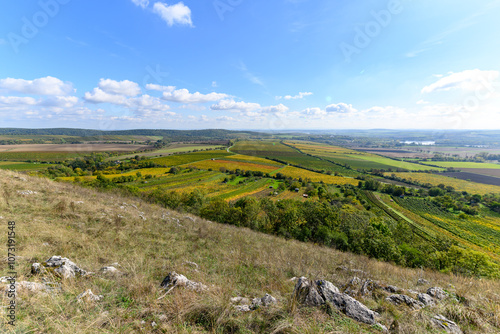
{"x": 440, "y": 322}
{"x": 320, "y": 292}
{"x": 175, "y": 280}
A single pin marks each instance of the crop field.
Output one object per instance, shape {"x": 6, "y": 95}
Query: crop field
{"x": 182, "y": 159}
{"x": 475, "y": 177}
{"x": 460, "y": 151}
{"x": 39, "y": 156}
{"x": 232, "y": 165}
{"x": 290, "y": 155}
{"x": 263, "y": 149}
{"x": 356, "y": 159}
{"x": 482, "y": 235}
{"x": 486, "y": 171}
{"x": 396, "y": 153}
{"x": 460, "y": 164}
{"x": 23, "y": 166}
{"x": 297, "y": 173}
{"x": 460, "y": 185}
{"x": 72, "y": 148}
{"x": 257, "y": 160}
{"x": 171, "y": 149}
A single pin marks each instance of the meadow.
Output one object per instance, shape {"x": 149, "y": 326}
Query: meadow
{"x": 462, "y": 164}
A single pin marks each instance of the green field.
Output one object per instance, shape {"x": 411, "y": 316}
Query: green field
{"x": 23, "y": 166}
{"x": 460, "y": 164}
{"x": 171, "y": 149}
{"x": 40, "y": 156}
{"x": 181, "y": 159}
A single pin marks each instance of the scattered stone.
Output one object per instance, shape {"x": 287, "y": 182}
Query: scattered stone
{"x": 153, "y": 324}
{"x": 404, "y": 299}
{"x": 142, "y": 217}
{"x": 63, "y": 267}
{"x": 37, "y": 269}
{"x": 393, "y": 289}
{"x": 88, "y": 296}
{"x": 26, "y": 192}
{"x": 382, "y": 327}
{"x": 264, "y": 301}
{"x": 20, "y": 178}
{"x": 368, "y": 287}
{"x": 305, "y": 293}
{"x": 46, "y": 244}
{"x": 321, "y": 292}
{"x": 355, "y": 271}
{"x": 437, "y": 293}
{"x": 422, "y": 281}
{"x": 242, "y": 308}
{"x": 240, "y": 300}
{"x": 447, "y": 325}
{"x": 193, "y": 264}
{"x": 354, "y": 281}
{"x": 173, "y": 280}
{"x": 110, "y": 270}
{"x": 425, "y": 299}
{"x": 189, "y": 218}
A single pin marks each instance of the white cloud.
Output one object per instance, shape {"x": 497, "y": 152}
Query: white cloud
{"x": 225, "y": 119}
{"x": 231, "y": 105}
{"x": 146, "y": 102}
{"x": 340, "y": 108}
{"x": 42, "y": 86}
{"x": 175, "y": 14}
{"x": 100, "y": 96}
{"x": 469, "y": 81}
{"x": 301, "y": 95}
{"x": 160, "y": 88}
{"x": 279, "y": 109}
{"x": 125, "y": 87}
{"x": 17, "y": 101}
{"x": 214, "y": 84}
{"x": 60, "y": 102}
{"x": 141, "y": 3}
{"x": 183, "y": 96}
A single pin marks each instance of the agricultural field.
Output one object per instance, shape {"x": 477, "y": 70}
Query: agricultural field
{"x": 298, "y": 173}
{"x": 276, "y": 150}
{"x": 462, "y": 152}
{"x": 357, "y": 159}
{"x": 480, "y": 234}
{"x": 475, "y": 177}
{"x": 247, "y": 158}
{"x": 39, "y": 156}
{"x": 72, "y": 148}
{"x": 459, "y": 185}
{"x": 216, "y": 164}
{"x": 20, "y": 166}
{"x": 182, "y": 159}
{"x": 396, "y": 153}
{"x": 461, "y": 164}
{"x": 168, "y": 150}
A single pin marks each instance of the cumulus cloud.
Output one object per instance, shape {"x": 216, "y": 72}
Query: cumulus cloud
{"x": 184, "y": 96}
{"x": 160, "y": 88}
{"x": 125, "y": 87}
{"x": 141, "y": 3}
{"x": 174, "y": 14}
{"x": 146, "y": 102}
{"x": 100, "y": 96}
{"x": 279, "y": 109}
{"x": 231, "y": 105}
{"x": 42, "y": 86}
{"x": 301, "y": 95}
{"x": 16, "y": 101}
{"x": 469, "y": 80}
{"x": 225, "y": 119}
{"x": 60, "y": 102}
{"x": 340, "y": 108}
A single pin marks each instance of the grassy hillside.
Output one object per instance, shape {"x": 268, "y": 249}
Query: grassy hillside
{"x": 97, "y": 229}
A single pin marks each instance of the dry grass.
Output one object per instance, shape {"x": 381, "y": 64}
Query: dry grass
{"x": 232, "y": 262}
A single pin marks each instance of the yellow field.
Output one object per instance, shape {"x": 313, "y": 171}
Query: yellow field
{"x": 231, "y": 165}
{"x": 297, "y": 173}
{"x": 253, "y": 159}
{"x": 460, "y": 185}
{"x": 313, "y": 148}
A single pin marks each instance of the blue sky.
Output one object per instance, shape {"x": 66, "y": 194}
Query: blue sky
{"x": 241, "y": 64}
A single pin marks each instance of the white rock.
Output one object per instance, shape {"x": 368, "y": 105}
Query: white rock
{"x": 89, "y": 297}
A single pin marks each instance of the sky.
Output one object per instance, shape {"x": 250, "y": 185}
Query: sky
{"x": 250, "y": 64}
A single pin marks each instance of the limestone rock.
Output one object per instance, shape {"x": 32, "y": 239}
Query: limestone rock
{"x": 368, "y": 287}
{"x": 240, "y": 300}
{"x": 173, "y": 280}
{"x": 437, "y": 293}
{"x": 320, "y": 292}
{"x": 306, "y": 294}
{"x": 88, "y": 296}
{"x": 110, "y": 270}
{"x": 352, "y": 308}
{"x": 37, "y": 269}
{"x": 404, "y": 299}
{"x": 422, "y": 281}
{"x": 63, "y": 267}
{"x": 447, "y": 325}
{"x": 264, "y": 301}
{"x": 425, "y": 299}
{"x": 393, "y": 289}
